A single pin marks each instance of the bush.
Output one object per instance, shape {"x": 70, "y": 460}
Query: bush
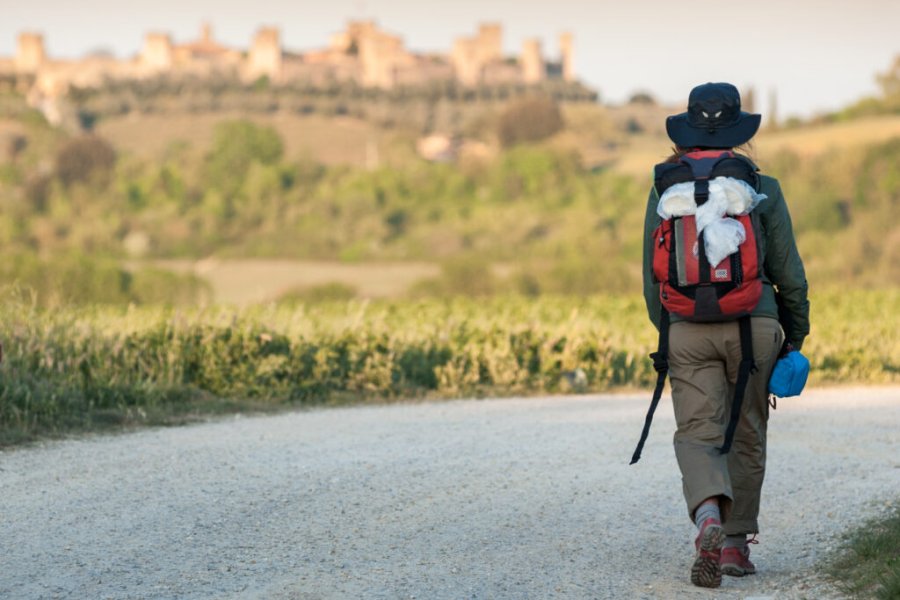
{"x": 84, "y": 158}
{"x": 462, "y": 276}
{"x": 80, "y": 280}
{"x": 529, "y": 119}
{"x": 326, "y": 292}
{"x": 236, "y": 146}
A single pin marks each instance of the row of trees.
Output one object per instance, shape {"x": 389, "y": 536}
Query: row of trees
{"x": 442, "y": 106}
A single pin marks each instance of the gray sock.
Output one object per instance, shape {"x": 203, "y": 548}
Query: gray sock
{"x": 735, "y": 541}
{"x": 705, "y": 511}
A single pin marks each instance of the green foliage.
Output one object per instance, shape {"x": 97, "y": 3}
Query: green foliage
{"x": 869, "y": 565}
{"x": 317, "y": 294}
{"x": 65, "y": 367}
{"x": 842, "y": 204}
{"x": 80, "y": 280}
{"x": 461, "y": 276}
{"x": 560, "y": 228}
{"x": 237, "y": 145}
{"x": 888, "y": 102}
{"x": 529, "y": 119}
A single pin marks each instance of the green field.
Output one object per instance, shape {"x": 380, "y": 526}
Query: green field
{"x": 70, "y": 370}
{"x": 514, "y": 269}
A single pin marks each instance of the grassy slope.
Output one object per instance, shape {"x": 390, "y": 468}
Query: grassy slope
{"x": 869, "y": 566}
{"x": 335, "y": 140}
{"x": 597, "y": 132}
{"x": 809, "y": 141}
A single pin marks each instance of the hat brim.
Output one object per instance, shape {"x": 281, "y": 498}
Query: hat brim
{"x": 686, "y": 136}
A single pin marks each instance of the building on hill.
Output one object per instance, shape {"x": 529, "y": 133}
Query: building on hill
{"x": 265, "y": 57}
{"x": 362, "y": 54}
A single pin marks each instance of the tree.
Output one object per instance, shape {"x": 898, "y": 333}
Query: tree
{"x": 529, "y": 119}
{"x": 236, "y": 146}
{"x": 84, "y": 158}
{"x": 889, "y": 81}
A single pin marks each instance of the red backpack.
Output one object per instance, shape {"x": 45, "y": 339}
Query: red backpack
{"x": 692, "y": 288}
{"x": 688, "y": 285}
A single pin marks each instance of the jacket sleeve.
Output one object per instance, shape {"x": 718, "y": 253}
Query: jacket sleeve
{"x": 651, "y": 286}
{"x": 784, "y": 268}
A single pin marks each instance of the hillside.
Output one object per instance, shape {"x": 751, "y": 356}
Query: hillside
{"x": 558, "y": 215}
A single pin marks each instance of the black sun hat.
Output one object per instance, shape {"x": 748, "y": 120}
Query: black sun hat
{"x": 714, "y": 119}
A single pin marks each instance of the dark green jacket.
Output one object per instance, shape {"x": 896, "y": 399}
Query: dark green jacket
{"x": 782, "y": 266}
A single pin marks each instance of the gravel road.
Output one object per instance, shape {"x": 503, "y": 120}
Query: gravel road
{"x": 514, "y": 498}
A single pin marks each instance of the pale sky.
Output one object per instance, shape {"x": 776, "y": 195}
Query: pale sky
{"x": 817, "y": 54}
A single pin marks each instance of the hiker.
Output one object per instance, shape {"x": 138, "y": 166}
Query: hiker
{"x": 726, "y": 287}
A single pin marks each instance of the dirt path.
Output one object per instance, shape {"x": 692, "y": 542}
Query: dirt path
{"x": 519, "y": 498}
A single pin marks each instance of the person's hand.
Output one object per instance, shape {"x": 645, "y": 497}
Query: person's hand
{"x": 786, "y": 348}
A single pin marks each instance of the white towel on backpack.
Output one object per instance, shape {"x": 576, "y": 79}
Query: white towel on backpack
{"x": 727, "y": 196}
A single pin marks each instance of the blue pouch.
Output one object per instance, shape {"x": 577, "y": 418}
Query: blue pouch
{"x": 789, "y": 375}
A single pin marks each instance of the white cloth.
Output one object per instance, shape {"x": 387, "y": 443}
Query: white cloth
{"x": 727, "y": 196}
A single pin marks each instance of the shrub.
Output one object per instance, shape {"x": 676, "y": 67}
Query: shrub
{"x": 84, "y": 158}
{"x": 326, "y": 292}
{"x": 529, "y": 119}
{"x": 237, "y": 145}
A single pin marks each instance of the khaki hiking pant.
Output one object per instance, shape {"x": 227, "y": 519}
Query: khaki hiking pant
{"x": 703, "y": 368}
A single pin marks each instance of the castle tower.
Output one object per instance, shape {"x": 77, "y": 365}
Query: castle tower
{"x": 532, "y": 62}
{"x": 265, "y": 54}
{"x": 565, "y": 52}
{"x": 465, "y": 62}
{"x": 30, "y": 53}
{"x": 380, "y": 55}
{"x": 157, "y": 52}
{"x": 348, "y": 41}
{"x": 490, "y": 42}
{"x": 206, "y": 33}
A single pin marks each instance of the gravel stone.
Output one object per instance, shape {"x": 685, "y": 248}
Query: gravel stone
{"x": 514, "y": 498}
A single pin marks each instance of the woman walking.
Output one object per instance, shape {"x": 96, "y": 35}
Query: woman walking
{"x": 726, "y": 287}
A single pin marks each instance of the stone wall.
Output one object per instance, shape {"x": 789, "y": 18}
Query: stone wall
{"x": 362, "y": 53}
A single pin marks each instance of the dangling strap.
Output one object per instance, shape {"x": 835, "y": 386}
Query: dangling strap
{"x": 746, "y": 367}
{"x": 661, "y": 364}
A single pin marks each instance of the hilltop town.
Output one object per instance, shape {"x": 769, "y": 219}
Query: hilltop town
{"x": 363, "y": 54}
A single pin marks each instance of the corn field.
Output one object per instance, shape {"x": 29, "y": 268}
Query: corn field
{"x": 79, "y": 369}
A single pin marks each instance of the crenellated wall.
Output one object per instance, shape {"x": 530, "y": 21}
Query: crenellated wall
{"x": 362, "y": 53}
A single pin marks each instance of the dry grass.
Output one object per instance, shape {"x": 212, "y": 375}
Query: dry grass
{"x": 242, "y": 282}
{"x": 328, "y": 140}
{"x": 814, "y": 140}
{"x": 643, "y": 151}
{"x": 598, "y": 133}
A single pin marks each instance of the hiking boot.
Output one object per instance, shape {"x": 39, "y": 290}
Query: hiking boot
{"x": 736, "y": 561}
{"x": 706, "y": 571}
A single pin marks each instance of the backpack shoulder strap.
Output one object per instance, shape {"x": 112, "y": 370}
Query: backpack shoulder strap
{"x": 661, "y": 365}
{"x": 703, "y": 162}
